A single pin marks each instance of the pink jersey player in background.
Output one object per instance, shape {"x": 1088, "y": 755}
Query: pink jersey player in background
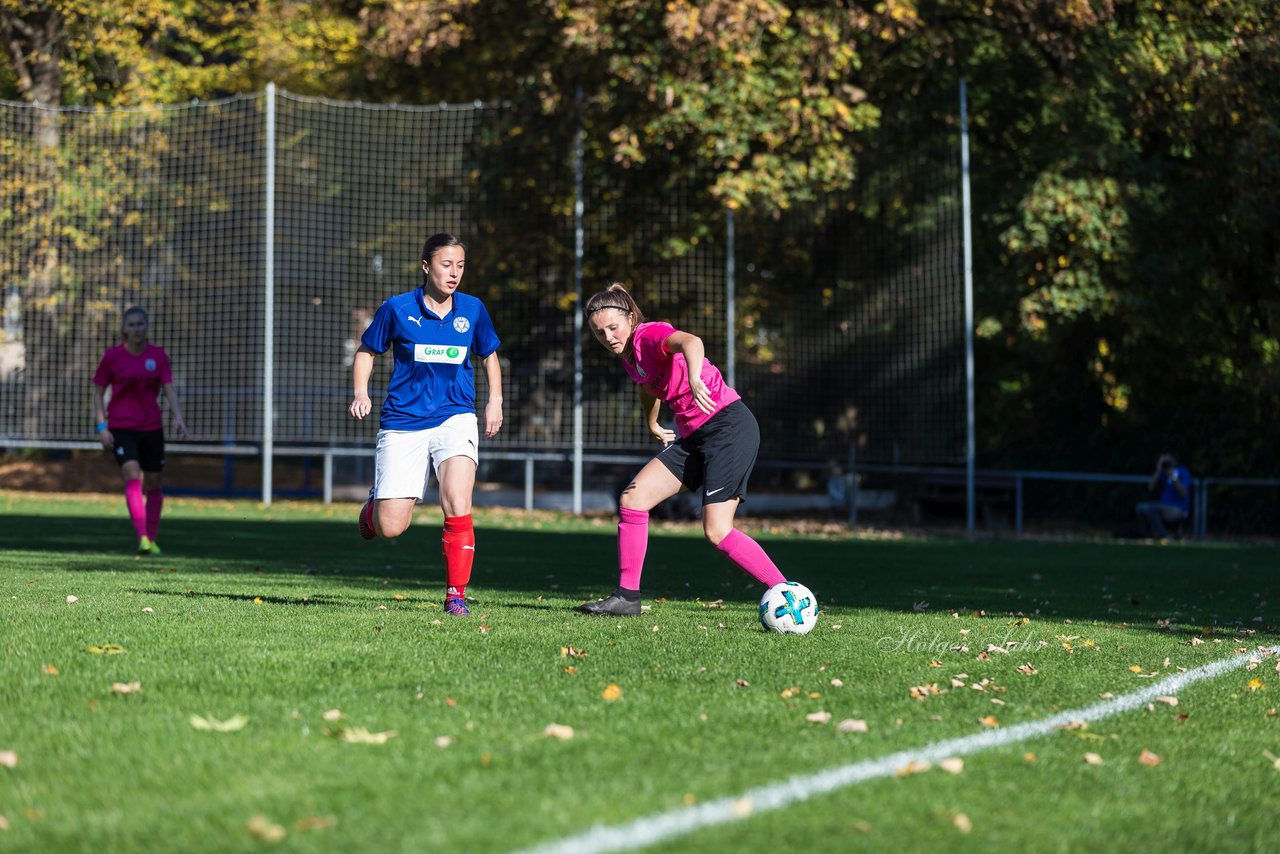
{"x": 131, "y": 426}
{"x": 714, "y": 452}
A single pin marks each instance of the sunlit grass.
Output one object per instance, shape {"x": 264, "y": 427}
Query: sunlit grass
{"x": 286, "y": 618}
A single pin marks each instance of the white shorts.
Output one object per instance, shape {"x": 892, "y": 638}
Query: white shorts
{"x": 404, "y": 459}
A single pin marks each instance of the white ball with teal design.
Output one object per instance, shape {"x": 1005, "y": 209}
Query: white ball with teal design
{"x": 789, "y": 608}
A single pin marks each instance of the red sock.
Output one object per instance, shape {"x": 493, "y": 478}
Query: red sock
{"x": 748, "y": 554}
{"x": 633, "y": 542}
{"x": 459, "y": 546}
{"x": 155, "y": 501}
{"x": 133, "y": 500}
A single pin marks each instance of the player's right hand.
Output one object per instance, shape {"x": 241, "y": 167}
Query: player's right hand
{"x": 108, "y": 441}
{"x": 662, "y": 434}
{"x": 360, "y": 407}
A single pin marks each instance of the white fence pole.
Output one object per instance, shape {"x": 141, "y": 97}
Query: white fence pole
{"x": 269, "y": 310}
{"x": 578, "y": 250}
{"x": 969, "y": 451}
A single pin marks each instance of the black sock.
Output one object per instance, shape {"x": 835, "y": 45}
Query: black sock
{"x": 629, "y": 595}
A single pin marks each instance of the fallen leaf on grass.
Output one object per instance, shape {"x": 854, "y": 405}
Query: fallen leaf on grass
{"x": 49, "y": 669}
{"x": 1135, "y": 668}
{"x": 360, "y": 735}
{"x": 1171, "y": 701}
{"x": 72, "y": 599}
{"x": 105, "y": 649}
{"x": 572, "y": 652}
{"x": 1149, "y": 758}
{"x": 314, "y": 822}
{"x": 125, "y": 687}
{"x": 962, "y": 823}
{"x": 257, "y": 600}
{"x": 1255, "y": 684}
{"x": 333, "y": 715}
{"x": 1275, "y": 760}
{"x": 954, "y": 765}
{"x": 8, "y": 758}
{"x": 233, "y": 724}
{"x": 818, "y": 717}
{"x": 560, "y": 731}
{"x": 1027, "y": 670}
{"x": 148, "y": 610}
{"x": 989, "y": 721}
{"x": 836, "y": 683}
{"x": 916, "y": 766}
{"x": 851, "y": 725}
{"x": 1092, "y": 759}
{"x": 444, "y": 741}
{"x": 4, "y": 823}
{"x": 261, "y": 827}
{"x": 922, "y": 692}
{"x": 611, "y": 692}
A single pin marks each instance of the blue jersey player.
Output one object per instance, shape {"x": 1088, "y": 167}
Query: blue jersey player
{"x": 428, "y": 417}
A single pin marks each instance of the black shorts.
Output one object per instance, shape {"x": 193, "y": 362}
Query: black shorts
{"x": 144, "y": 446}
{"x": 719, "y": 456}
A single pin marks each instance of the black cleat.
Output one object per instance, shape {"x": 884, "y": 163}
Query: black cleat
{"x": 612, "y": 606}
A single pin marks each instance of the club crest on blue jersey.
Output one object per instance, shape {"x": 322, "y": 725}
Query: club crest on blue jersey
{"x": 461, "y": 324}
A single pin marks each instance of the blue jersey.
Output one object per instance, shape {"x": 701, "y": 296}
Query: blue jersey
{"x": 432, "y": 379}
{"x": 1169, "y": 493}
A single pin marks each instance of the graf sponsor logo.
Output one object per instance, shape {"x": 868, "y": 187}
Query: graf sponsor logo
{"x": 448, "y": 355}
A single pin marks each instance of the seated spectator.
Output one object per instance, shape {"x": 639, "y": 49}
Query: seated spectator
{"x": 1174, "y": 505}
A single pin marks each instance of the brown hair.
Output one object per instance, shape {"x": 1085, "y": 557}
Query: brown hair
{"x": 131, "y": 310}
{"x": 615, "y": 296}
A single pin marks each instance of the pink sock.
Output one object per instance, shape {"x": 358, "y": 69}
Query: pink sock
{"x": 133, "y": 500}
{"x": 633, "y": 541}
{"x": 155, "y": 501}
{"x": 746, "y": 553}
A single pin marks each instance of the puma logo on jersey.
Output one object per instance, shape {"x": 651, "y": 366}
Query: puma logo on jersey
{"x": 417, "y": 320}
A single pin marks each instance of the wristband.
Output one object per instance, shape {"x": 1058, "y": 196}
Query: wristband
{"x": 100, "y": 426}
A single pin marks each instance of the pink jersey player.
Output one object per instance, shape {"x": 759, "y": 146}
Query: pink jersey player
{"x": 130, "y": 425}
{"x": 714, "y": 452}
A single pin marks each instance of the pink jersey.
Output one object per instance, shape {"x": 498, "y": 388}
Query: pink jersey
{"x": 135, "y": 382}
{"x": 665, "y": 375}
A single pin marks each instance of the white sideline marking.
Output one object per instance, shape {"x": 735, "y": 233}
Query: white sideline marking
{"x": 650, "y": 830}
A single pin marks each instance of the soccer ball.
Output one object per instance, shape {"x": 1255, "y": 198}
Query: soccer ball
{"x": 789, "y": 608}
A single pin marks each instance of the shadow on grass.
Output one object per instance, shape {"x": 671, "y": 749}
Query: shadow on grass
{"x": 1165, "y": 589}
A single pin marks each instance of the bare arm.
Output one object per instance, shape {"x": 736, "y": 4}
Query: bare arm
{"x": 361, "y": 370}
{"x": 694, "y": 354}
{"x": 493, "y": 409}
{"x": 100, "y": 415}
{"x": 179, "y": 423}
{"x": 651, "y": 406}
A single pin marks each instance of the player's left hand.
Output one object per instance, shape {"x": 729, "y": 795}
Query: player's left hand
{"x": 492, "y": 418}
{"x": 180, "y": 427}
{"x": 702, "y": 395}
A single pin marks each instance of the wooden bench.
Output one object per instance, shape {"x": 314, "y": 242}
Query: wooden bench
{"x": 943, "y": 494}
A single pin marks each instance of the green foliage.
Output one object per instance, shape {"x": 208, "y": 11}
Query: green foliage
{"x": 1125, "y": 168}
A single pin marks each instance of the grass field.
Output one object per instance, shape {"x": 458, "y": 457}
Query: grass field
{"x": 320, "y": 644}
